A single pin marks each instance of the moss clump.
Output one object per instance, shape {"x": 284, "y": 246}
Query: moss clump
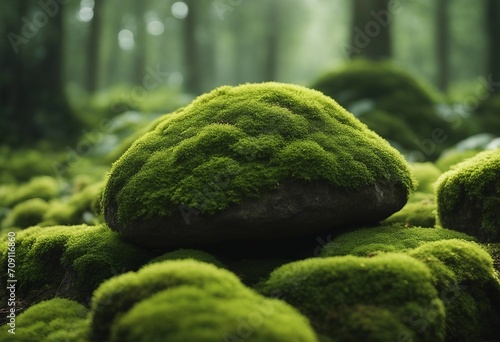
{"x": 49, "y": 320}
{"x": 450, "y": 158}
{"x": 426, "y": 175}
{"x": 253, "y": 271}
{"x": 26, "y": 214}
{"x": 464, "y": 276}
{"x": 194, "y": 254}
{"x": 391, "y": 102}
{"x": 96, "y": 254}
{"x": 189, "y": 313}
{"x": 468, "y": 196}
{"x": 421, "y": 213}
{"x": 43, "y": 187}
{"x": 119, "y": 294}
{"x": 352, "y": 298}
{"x": 392, "y": 238}
{"x": 236, "y": 142}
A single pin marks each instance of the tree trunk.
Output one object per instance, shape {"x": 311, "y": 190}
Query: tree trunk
{"x": 33, "y": 105}
{"x": 93, "y": 49}
{"x": 272, "y": 41}
{"x": 191, "y": 51}
{"x": 442, "y": 44}
{"x": 493, "y": 29}
{"x": 371, "y": 37}
{"x": 139, "y": 42}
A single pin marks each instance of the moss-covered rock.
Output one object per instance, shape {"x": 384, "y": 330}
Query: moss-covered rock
{"x": 391, "y": 238}
{"x": 426, "y": 175}
{"x": 420, "y": 213}
{"x": 119, "y": 294}
{"x": 26, "y": 214}
{"x": 256, "y": 161}
{"x": 194, "y": 254}
{"x": 468, "y": 197}
{"x": 463, "y": 274}
{"x": 188, "y": 313}
{"x": 51, "y": 320}
{"x": 452, "y": 157}
{"x": 393, "y": 103}
{"x": 387, "y": 298}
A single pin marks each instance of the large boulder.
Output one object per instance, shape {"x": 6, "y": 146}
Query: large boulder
{"x": 253, "y": 162}
{"x": 468, "y": 196}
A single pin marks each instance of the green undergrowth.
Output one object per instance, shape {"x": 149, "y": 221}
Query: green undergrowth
{"x": 236, "y": 142}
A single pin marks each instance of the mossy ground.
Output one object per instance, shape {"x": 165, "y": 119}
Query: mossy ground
{"x": 236, "y": 142}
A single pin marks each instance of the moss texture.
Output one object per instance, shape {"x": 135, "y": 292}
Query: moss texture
{"x": 189, "y": 313}
{"x": 391, "y": 101}
{"x": 43, "y": 187}
{"x": 51, "y": 321}
{"x": 242, "y": 140}
{"x": 26, "y": 214}
{"x": 463, "y": 274}
{"x": 194, "y": 254}
{"x": 468, "y": 196}
{"x": 420, "y": 211}
{"x": 119, "y": 294}
{"x": 350, "y": 298}
{"x": 426, "y": 175}
{"x": 453, "y": 157}
{"x": 392, "y": 238}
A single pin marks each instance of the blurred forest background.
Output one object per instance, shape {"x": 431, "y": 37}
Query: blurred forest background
{"x": 82, "y": 78}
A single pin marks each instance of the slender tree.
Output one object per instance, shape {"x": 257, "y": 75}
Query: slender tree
{"x": 140, "y": 48}
{"x": 93, "y": 48}
{"x": 272, "y": 41}
{"x": 191, "y": 49}
{"x": 493, "y": 31}
{"x": 442, "y": 44}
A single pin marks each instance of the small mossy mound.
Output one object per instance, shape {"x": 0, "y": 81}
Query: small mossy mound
{"x": 119, "y": 294}
{"x": 386, "y": 298}
{"x": 453, "y": 157}
{"x": 220, "y": 160}
{"x": 426, "y": 175}
{"x": 189, "y": 313}
{"x": 194, "y": 254}
{"x": 26, "y": 214}
{"x": 468, "y": 197}
{"x": 392, "y": 238}
{"x": 43, "y": 187}
{"x": 463, "y": 274}
{"x": 51, "y": 320}
{"x": 419, "y": 213}
{"x": 392, "y": 103}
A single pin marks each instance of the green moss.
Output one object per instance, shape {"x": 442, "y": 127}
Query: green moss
{"x": 392, "y": 238}
{"x": 378, "y": 299}
{"x": 194, "y": 254}
{"x": 450, "y": 158}
{"x": 464, "y": 276}
{"x": 494, "y": 250}
{"x": 192, "y": 314}
{"x": 253, "y": 271}
{"x": 26, "y": 214}
{"x": 97, "y": 254}
{"x": 43, "y": 187}
{"x": 390, "y": 101}
{"x": 425, "y": 174}
{"x": 415, "y": 213}
{"x": 236, "y": 142}
{"x": 46, "y": 320}
{"x": 119, "y": 294}
{"x": 468, "y": 196}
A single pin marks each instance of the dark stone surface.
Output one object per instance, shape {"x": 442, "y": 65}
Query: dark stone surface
{"x": 294, "y": 209}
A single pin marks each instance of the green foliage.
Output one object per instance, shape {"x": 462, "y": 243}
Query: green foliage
{"x": 194, "y": 254}
{"x": 474, "y": 182}
{"x": 392, "y": 238}
{"x": 450, "y": 158}
{"x": 416, "y": 212}
{"x": 26, "y": 214}
{"x": 487, "y": 114}
{"x": 50, "y": 320}
{"x": 425, "y": 174}
{"x": 188, "y": 313}
{"x": 464, "y": 276}
{"x": 43, "y": 187}
{"x": 239, "y": 141}
{"x": 390, "y": 101}
{"x": 348, "y": 298}
{"x": 97, "y": 254}
{"x": 119, "y": 294}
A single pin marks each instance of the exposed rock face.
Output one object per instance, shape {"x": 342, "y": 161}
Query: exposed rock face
{"x": 253, "y": 162}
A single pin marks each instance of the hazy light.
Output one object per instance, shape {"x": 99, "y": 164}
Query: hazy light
{"x": 180, "y": 10}
{"x": 175, "y": 79}
{"x": 87, "y": 3}
{"x": 126, "y": 39}
{"x": 85, "y": 14}
{"x": 156, "y": 27}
